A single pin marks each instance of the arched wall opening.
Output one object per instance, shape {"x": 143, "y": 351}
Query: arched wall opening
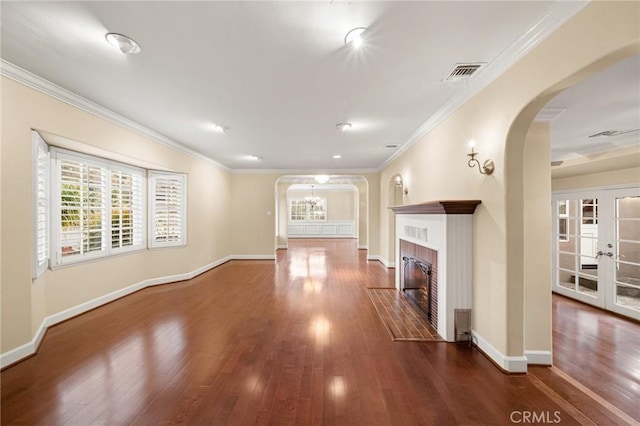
{"x": 359, "y": 185}
{"x": 528, "y": 219}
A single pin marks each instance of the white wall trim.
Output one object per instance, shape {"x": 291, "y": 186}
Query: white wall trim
{"x": 557, "y": 15}
{"x": 539, "y": 357}
{"x": 30, "y": 348}
{"x": 363, "y": 247}
{"x": 9, "y": 70}
{"x": 282, "y": 247}
{"x": 382, "y": 260}
{"x": 253, "y": 257}
{"x": 511, "y": 364}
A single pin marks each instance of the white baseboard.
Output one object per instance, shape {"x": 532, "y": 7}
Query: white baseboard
{"x": 363, "y": 247}
{"x": 511, "y": 364}
{"x": 253, "y": 257}
{"x": 382, "y": 260}
{"x": 31, "y": 347}
{"x": 282, "y": 247}
{"x": 539, "y": 357}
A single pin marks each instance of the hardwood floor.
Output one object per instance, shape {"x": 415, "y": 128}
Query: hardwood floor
{"x": 598, "y": 350}
{"x": 296, "y": 341}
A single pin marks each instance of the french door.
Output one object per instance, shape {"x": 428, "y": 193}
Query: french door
{"x": 596, "y": 248}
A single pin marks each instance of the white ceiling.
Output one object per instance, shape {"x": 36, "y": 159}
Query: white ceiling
{"x": 278, "y": 74}
{"x": 609, "y": 100}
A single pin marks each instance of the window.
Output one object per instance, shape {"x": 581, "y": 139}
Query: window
{"x": 98, "y": 207}
{"x": 87, "y": 207}
{"x": 563, "y": 220}
{"x": 41, "y": 202}
{"x": 167, "y": 218}
{"x": 304, "y": 210}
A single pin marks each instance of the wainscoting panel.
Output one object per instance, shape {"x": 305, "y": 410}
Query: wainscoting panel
{"x": 329, "y": 229}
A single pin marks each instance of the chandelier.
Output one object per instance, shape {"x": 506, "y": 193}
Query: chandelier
{"x": 311, "y": 200}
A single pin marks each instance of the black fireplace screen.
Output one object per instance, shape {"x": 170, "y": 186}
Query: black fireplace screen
{"x": 416, "y": 283}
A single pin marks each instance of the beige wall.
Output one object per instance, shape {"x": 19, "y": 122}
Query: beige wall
{"x": 254, "y": 231}
{"x": 537, "y": 239}
{"x": 597, "y": 180}
{"x": 498, "y": 118}
{"x": 26, "y": 304}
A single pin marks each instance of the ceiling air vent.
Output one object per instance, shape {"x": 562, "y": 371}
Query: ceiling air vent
{"x": 610, "y": 133}
{"x": 463, "y": 71}
{"x": 392, "y": 146}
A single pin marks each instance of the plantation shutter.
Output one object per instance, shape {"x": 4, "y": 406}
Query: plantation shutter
{"x": 83, "y": 208}
{"x": 127, "y": 209}
{"x": 41, "y": 204}
{"x": 168, "y": 199}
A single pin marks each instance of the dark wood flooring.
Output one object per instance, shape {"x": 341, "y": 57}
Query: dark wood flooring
{"x": 295, "y": 341}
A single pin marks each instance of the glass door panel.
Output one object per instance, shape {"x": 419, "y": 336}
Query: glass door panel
{"x": 627, "y": 259}
{"x": 596, "y": 253}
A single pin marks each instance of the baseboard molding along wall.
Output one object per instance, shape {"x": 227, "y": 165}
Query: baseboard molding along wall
{"x": 510, "y": 364}
{"x": 30, "y": 348}
{"x": 382, "y": 260}
{"x": 539, "y": 357}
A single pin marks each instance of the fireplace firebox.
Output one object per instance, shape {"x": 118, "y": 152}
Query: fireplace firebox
{"x": 417, "y": 284}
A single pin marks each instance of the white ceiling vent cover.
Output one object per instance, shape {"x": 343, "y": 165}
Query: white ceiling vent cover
{"x": 464, "y": 71}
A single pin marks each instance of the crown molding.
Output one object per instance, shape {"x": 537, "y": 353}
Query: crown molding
{"x": 557, "y": 15}
{"x": 22, "y": 76}
{"x": 305, "y": 172}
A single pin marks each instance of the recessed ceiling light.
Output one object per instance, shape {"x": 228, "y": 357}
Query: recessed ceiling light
{"x": 343, "y": 127}
{"x": 219, "y": 128}
{"x": 392, "y": 146}
{"x": 125, "y": 44}
{"x": 322, "y": 178}
{"x": 337, "y": 156}
{"x": 255, "y": 158}
{"x": 355, "y": 37}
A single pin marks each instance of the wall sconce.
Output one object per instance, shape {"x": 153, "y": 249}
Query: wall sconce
{"x": 397, "y": 179}
{"x": 487, "y": 167}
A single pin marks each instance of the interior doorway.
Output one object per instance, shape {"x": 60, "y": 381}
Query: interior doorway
{"x": 596, "y": 248}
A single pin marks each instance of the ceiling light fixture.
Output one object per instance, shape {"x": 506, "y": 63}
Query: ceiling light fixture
{"x": 355, "y": 37}
{"x": 125, "y": 44}
{"x": 219, "y": 128}
{"x": 255, "y": 158}
{"x": 322, "y": 178}
{"x": 337, "y": 156}
{"x": 343, "y": 127}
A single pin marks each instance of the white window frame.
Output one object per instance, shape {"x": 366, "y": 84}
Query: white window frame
{"x": 41, "y": 203}
{"x": 179, "y": 237}
{"x": 308, "y": 216}
{"x": 57, "y": 259}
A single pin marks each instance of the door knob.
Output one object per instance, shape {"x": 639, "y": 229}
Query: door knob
{"x": 602, "y": 253}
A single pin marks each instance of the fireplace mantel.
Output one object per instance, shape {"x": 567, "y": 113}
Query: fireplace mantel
{"x": 438, "y": 207}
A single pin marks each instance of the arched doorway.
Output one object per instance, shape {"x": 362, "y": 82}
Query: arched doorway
{"x": 358, "y": 184}
{"x": 528, "y": 222}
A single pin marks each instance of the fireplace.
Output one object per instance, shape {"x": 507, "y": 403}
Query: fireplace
{"x": 436, "y": 238}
